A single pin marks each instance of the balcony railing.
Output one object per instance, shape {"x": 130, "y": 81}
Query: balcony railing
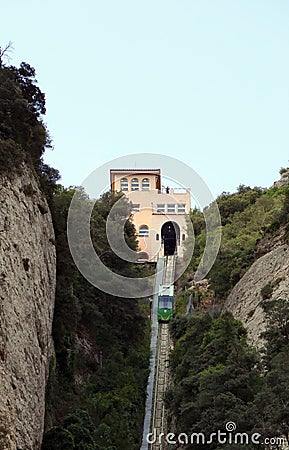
{"x": 174, "y": 191}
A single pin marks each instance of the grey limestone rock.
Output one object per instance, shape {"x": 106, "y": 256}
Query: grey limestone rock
{"x": 27, "y": 294}
{"x": 245, "y": 300}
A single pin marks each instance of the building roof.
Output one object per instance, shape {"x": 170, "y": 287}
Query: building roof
{"x": 135, "y": 170}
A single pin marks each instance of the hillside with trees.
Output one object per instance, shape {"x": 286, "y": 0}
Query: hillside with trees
{"x": 250, "y": 217}
{"x": 97, "y": 385}
{"x": 97, "y": 380}
{"x": 217, "y": 376}
{"x": 96, "y": 389}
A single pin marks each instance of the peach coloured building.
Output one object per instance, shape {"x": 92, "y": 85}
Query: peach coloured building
{"x": 159, "y": 212}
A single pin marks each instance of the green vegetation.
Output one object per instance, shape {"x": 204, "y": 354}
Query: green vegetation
{"x": 248, "y": 216}
{"x": 97, "y": 383}
{"x": 75, "y": 433}
{"x": 283, "y": 170}
{"x": 272, "y": 403}
{"x": 101, "y": 344}
{"x": 23, "y": 133}
{"x": 218, "y": 378}
{"x": 266, "y": 291}
{"x": 22, "y": 105}
{"x": 215, "y": 377}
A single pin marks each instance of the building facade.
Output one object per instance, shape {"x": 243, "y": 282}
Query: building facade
{"x": 159, "y": 212}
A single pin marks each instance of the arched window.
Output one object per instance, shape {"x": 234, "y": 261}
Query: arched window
{"x": 143, "y": 255}
{"x": 124, "y": 184}
{"x": 143, "y": 231}
{"x": 145, "y": 185}
{"x": 134, "y": 184}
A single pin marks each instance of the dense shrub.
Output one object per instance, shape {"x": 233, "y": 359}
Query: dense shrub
{"x": 266, "y": 291}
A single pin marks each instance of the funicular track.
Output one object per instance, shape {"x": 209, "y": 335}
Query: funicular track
{"x": 161, "y": 382}
{"x": 162, "y": 367}
{"x": 169, "y": 270}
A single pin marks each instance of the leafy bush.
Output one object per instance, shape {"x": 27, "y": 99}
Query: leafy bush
{"x": 76, "y": 433}
{"x": 266, "y": 291}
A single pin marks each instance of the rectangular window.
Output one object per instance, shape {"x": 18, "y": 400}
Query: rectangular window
{"x": 124, "y": 184}
{"x": 161, "y": 208}
{"x": 135, "y": 207}
{"x": 165, "y": 302}
{"x": 171, "y": 208}
{"x": 181, "y": 208}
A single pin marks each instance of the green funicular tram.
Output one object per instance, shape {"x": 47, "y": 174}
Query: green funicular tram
{"x": 165, "y": 303}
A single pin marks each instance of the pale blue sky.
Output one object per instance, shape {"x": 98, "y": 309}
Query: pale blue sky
{"x": 205, "y": 81}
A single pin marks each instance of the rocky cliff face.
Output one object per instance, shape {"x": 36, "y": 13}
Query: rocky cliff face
{"x": 245, "y": 299}
{"x": 27, "y": 290}
{"x": 284, "y": 180}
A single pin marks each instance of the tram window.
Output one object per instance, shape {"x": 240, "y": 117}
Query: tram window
{"x": 165, "y": 303}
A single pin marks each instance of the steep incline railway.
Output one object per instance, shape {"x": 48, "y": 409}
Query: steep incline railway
{"x": 169, "y": 270}
{"x": 162, "y": 371}
{"x": 161, "y": 383}
{"x": 155, "y": 417}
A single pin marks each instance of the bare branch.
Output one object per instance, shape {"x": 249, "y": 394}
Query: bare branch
{"x": 4, "y": 53}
